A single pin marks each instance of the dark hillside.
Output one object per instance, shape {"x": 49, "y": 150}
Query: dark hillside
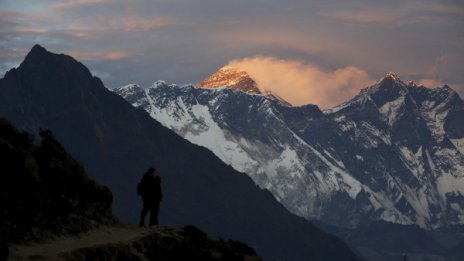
{"x": 44, "y": 191}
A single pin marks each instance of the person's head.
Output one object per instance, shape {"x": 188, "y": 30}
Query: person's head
{"x": 150, "y": 173}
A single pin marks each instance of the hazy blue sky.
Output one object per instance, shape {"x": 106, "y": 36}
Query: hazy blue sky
{"x": 350, "y": 42}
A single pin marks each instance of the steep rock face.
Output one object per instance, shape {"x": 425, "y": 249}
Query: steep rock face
{"x": 117, "y": 143}
{"x": 44, "y": 191}
{"x": 392, "y": 153}
{"x": 400, "y": 127}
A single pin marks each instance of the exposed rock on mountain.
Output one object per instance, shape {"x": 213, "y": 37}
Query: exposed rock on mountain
{"x": 231, "y": 77}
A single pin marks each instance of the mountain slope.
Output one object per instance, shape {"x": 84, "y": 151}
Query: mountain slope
{"x": 117, "y": 143}
{"x": 392, "y": 153}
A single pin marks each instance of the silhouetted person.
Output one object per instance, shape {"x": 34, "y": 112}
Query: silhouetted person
{"x": 149, "y": 188}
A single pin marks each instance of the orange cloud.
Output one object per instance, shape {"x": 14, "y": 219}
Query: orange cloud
{"x": 430, "y": 83}
{"x": 384, "y": 17}
{"x": 133, "y": 23}
{"x": 301, "y": 83}
{"x": 90, "y": 56}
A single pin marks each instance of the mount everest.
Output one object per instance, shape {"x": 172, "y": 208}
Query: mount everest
{"x": 395, "y": 152}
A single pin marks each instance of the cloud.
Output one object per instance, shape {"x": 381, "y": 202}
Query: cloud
{"x": 302, "y": 83}
{"x": 92, "y": 56}
{"x": 407, "y": 14}
{"x": 127, "y": 21}
{"x": 76, "y": 3}
{"x": 371, "y": 17}
{"x": 430, "y": 83}
{"x": 438, "y": 8}
{"x": 133, "y": 23}
{"x": 86, "y": 25}
{"x": 388, "y": 18}
{"x": 13, "y": 21}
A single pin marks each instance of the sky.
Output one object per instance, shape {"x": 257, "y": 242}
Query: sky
{"x": 319, "y": 52}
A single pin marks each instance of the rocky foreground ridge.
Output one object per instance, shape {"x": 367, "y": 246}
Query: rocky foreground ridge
{"x": 51, "y": 210}
{"x": 131, "y": 243}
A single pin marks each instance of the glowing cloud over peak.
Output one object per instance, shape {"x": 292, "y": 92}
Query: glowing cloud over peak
{"x": 302, "y": 83}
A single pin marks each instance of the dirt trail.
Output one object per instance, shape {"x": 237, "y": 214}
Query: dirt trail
{"x": 103, "y": 236}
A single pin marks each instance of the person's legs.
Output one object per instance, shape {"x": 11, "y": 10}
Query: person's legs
{"x": 144, "y": 212}
{"x": 154, "y": 211}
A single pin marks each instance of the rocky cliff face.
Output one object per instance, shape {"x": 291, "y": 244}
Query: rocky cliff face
{"x": 397, "y": 135}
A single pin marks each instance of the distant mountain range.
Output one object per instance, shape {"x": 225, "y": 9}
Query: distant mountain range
{"x": 393, "y": 153}
{"x": 116, "y": 143}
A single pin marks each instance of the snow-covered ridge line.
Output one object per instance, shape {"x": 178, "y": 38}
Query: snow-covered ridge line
{"x": 317, "y": 164}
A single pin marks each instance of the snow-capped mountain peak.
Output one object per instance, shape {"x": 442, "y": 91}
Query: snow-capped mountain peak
{"x": 387, "y": 89}
{"x": 159, "y": 83}
{"x": 392, "y": 75}
{"x": 389, "y": 81}
{"x": 231, "y": 77}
